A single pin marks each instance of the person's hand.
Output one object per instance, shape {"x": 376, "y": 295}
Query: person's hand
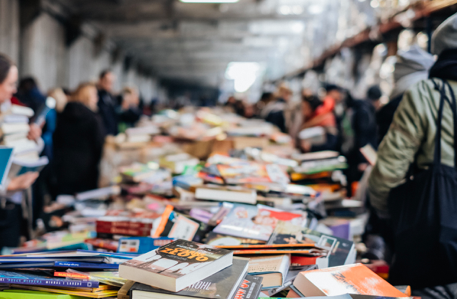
{"x": 362, "y": 167}
{"x": 34, "y": 133}
{"x": 22, "y": 182}
{"x": 306, "y": 146}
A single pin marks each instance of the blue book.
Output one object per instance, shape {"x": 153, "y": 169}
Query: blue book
{"x": 37, "y": 280}
{"x": 6, "y": 155}
{"x": 27, "y": 265}
{"x": 24, "y": 259}
{"x": 119, "y": 255}
{"x": 85, "y": 265}
{"x": 186, "y": 181}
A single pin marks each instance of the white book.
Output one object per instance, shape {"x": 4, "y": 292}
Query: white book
{"x": 147, "y": 130}
{"x": 22, "y": 145}
{"x": 226, "y": 194}
{"x": 13, "y": 118}
{"x": 312, "y": 133}
{"x": 101, "y": 193}
{"x": 21, "y": 110}
{"x": 176, "y": 265}
{"x": 23, "y": 165}
{"x": 272, "y": 268}
{"x": 15, "y": 137}
{"x": 11, "y": 128}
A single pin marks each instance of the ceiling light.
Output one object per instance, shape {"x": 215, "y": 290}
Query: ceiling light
{"x": 244, "y": 74}
{"x": 209, "y": 1}
{"x": 298, "y": 27}
{"x": 297, "y": 10}
{"x": 315, "y": 9}
{"x": 285, "y": 10}
{"x": 374, "y": 3}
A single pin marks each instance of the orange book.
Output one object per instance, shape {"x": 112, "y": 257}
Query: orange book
{"x": 348, "y": 279}
{"x": 299, "y": 249}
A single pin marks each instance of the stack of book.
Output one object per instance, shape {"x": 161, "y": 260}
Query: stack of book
{"x": 78, "y": 273}
{"x": 184, "y": 269}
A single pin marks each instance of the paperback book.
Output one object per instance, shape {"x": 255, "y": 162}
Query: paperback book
{"x": 37, "y": 280}
{"x": 176, "y": 265}
{"x": 340, "y": 251}
{"x": 255, "y": 222}
{"x": 220, "y": 285}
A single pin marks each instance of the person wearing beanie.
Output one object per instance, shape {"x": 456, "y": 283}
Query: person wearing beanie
{"x": 424, "y": 257}
{"x": 411, "y": 67}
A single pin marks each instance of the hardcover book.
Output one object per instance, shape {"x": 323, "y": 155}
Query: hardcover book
{"x": 176, "y": 265}
{"x": 273, "y": 269}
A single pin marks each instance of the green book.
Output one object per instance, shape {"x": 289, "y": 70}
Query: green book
{"x": 25, "y": 294}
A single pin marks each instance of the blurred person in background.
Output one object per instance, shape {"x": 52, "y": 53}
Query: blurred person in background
{"x": 47, "y": 182}
{"x": 275, "y": 110}
{"x": 239, "y": 107}
{"x": 78, "y": 142}
{"x": 130, "y": 108}
{"x": 29, "y": 94}
{"x": 333, "y": 98}
{"x": 310, "y": 108}
{"x": 359, "y": 129}
{"x": 260, "y": 106}
{"x": 12, "y": 220}
{"x": 107, "y": 103}
{"x": 61, "y": 98}
{"x": 411, "y": 67}
{"x": 419, "y": 149}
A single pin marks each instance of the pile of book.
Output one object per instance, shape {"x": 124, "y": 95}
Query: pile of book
{"x": 236, "y": 220}
{"x": 79, "y": 273}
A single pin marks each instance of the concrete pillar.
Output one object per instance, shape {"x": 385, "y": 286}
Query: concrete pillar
{"x": 9, "y": 28}
{"x": 43, "y": 52}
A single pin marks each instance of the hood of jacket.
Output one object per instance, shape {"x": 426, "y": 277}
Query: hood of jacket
{"x": 76, "y": 112}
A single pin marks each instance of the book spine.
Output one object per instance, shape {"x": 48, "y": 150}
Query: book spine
{"x": 71, "y": 275}
{"x": 100, "y": 243}
{"x": 123, "y": 231}
{"x": 85, "y": 265}
{"x": 51, "y": 282}
{"x": 124, "y": 224}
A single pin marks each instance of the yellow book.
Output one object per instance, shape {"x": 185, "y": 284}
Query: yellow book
{"x": 100, "y": 294}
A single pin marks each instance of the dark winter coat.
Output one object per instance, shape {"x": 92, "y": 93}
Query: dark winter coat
{"x": 78, "y": 144}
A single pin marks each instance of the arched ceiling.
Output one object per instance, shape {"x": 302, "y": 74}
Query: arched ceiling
{"x": 195, "y": 42}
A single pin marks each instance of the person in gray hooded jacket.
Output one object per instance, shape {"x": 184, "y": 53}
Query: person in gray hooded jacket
{"x": 411, "y": 67}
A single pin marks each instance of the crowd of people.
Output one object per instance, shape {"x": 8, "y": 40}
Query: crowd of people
{"x": 412, "y": 186}
{"x": 414, "y": 133}
{"x": 72, "y": 137}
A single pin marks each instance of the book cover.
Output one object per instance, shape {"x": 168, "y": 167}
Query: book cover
{"x": 176, "y": 265}
{"x": 348, "y": 279}
{"x": 99, "y": 294}
{"x": 31, "y": 279}
{"x": 215, "y": 239}
{"x": 249, "y": 288}
{"x": 21, "y": 294}
{"x": 85, "y": 265}
{"x": 299, "y": 249}
{"x": 339, "y": 249}
{"x": 137, "y": 171}
{"x": 254, "y": 222}
{"x": 231, "y": 194}
{"x": 223, "y": 284}
{"x": 291, "y": 275}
